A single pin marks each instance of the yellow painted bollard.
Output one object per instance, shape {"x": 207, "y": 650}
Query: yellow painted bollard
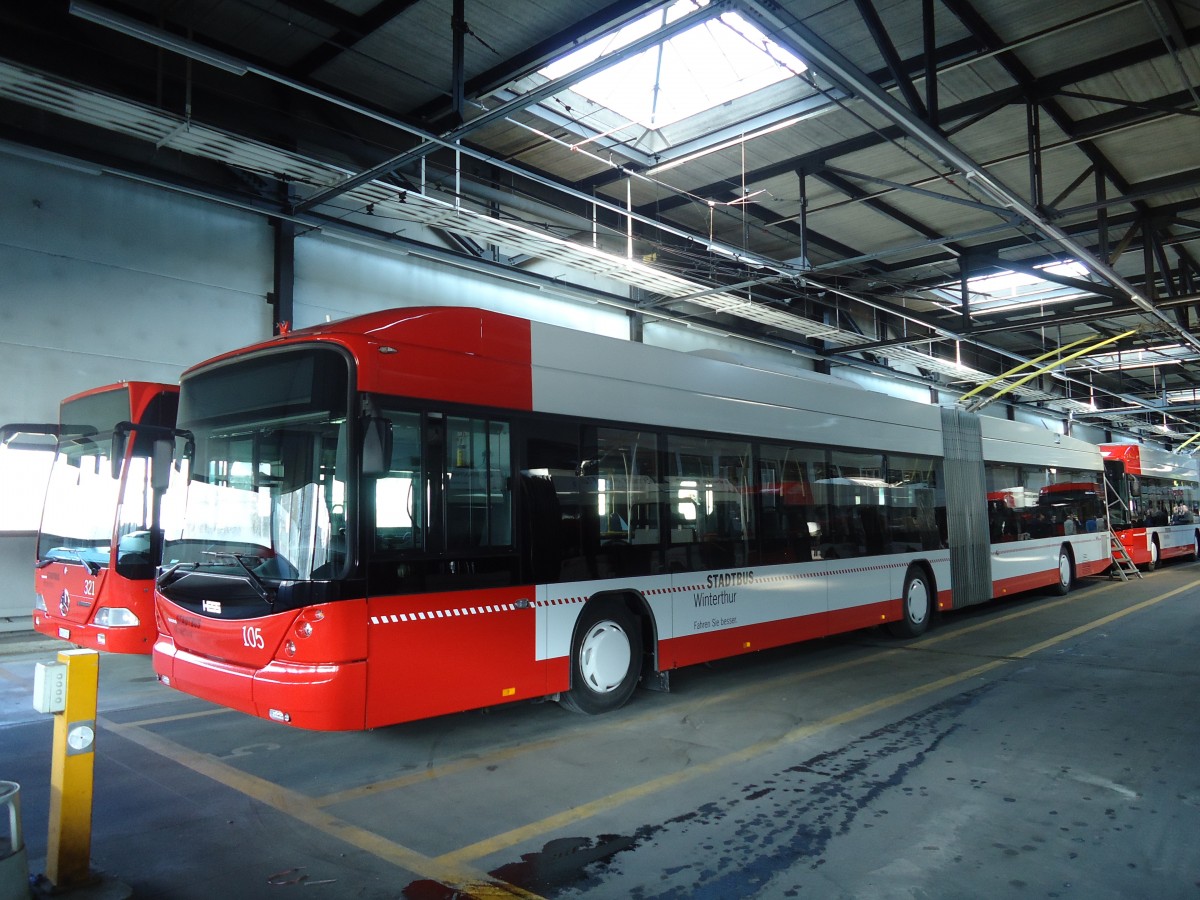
{"x": 69, "y": 845}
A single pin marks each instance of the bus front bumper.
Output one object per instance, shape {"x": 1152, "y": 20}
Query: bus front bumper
{"x": 320, "y": 697}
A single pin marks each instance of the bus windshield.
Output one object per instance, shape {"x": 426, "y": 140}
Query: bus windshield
{"x": 77, "y": 519}
{"x": 81, "y": 495}
{"x": 267, "y": 471}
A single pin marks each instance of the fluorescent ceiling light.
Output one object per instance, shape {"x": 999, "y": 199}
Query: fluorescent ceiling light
{"x": 1141, "y": 358}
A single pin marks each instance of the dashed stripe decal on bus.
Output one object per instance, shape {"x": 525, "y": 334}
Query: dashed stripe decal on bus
{"x": 434, "y": 614}
{"x": 395, "y": 618}
{"x": 760, "y": 580}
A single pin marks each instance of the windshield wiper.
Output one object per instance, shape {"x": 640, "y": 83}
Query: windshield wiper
{"x": 165, "y": 575}
{"x": 92, "y": 566}
{"x": 259, "y": 586}
{"x": 256, "y": 582}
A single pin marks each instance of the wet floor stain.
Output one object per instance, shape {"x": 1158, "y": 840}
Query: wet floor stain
{"x": 734, "y": 846}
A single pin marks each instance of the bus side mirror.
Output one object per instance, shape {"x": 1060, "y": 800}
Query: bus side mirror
{"x": 377, "y": 447}
{"x": 116, "y": 456}
{"x": 161, "y": 459}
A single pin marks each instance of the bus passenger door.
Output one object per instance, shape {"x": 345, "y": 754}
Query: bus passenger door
{"x": 443, "y": 510}
{"x": 472, "y": 503}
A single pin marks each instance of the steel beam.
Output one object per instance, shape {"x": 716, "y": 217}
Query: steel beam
{"x": 790, "y": 30}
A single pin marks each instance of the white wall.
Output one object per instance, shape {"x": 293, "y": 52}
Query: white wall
{"x": 107, "y": 280}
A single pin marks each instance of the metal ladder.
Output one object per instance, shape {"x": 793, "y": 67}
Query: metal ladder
{"x": 1122, "y": 564}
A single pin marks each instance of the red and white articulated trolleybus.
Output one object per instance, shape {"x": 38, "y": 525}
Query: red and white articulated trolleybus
{"x": 421, "y": 511}
{"x": 100, "y": 539}
{"x": 1153, "y": 502}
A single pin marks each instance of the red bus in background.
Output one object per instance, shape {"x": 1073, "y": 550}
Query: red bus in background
{"x": 100, "y": 539}
{"x": 1153, "y": 502}
{"x": 420, "y": 511}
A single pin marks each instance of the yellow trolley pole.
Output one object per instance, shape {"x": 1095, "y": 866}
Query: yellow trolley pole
{"x": 69, "y": 844}
{"x": 980, "y": 404}
{"x": 1188, "y": 441}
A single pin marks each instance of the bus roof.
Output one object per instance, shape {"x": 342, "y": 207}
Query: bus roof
{"x": 473, "y": 356}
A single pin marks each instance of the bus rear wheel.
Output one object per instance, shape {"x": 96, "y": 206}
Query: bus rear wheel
{"x": 916, "y": 605}
{"x": 605, "y": 659}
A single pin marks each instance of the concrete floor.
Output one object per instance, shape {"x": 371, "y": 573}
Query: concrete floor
{"x": 1037, "y": 747}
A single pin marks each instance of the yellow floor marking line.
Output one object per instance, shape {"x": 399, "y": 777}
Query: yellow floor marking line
{"x": 1100, "y": 623}
{"x": 182, "y": 717}
{"x": 571, "y": 817}
{"x": 467, "y": 880}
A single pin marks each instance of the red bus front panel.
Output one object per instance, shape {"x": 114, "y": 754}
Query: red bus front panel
{"x": 105, "y": 611}
{"x": 94, "y": 581}
{"x": 304, "y": 667}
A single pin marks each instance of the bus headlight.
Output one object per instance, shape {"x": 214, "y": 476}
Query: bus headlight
{"x": 39, "y": 602}
{"x": 115, "y": 617}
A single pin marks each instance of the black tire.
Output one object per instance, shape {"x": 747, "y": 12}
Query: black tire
{"x": 606, "y": 659}
{"x": 1155, "y": 556}
{"x": 1066, "y": 572}
{"x": 917, "y": 605}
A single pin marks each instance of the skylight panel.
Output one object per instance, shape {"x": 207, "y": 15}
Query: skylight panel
{"x": 1005, "y": 290}
{"x": 710, "y": 64}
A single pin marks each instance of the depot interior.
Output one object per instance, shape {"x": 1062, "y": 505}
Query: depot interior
{"x": 916, "y": 197}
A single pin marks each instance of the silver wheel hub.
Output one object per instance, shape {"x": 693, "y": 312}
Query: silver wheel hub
{"x": 917, "y": 601}
{"x": 604, "y": 657}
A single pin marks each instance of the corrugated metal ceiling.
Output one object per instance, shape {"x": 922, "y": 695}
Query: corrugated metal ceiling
{"x": 928, "y": 140}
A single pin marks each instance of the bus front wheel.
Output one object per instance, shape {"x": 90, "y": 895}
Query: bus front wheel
{"x": 1066, "y": 573}
{"x": 916, "y": 605}
{"x": 605, "y": 659}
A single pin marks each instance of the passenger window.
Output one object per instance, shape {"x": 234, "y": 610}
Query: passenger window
{"x": 400, "y": 495}
{"x": 912, "y": 511}
{"x": 477, "y": 487}
{"x": 554, "y": 495}
{"x": 791, "y": 523}
{"x": 856, "y": 496}
{"x": 710, "y": 499}
{"x": 626, "y": 485}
